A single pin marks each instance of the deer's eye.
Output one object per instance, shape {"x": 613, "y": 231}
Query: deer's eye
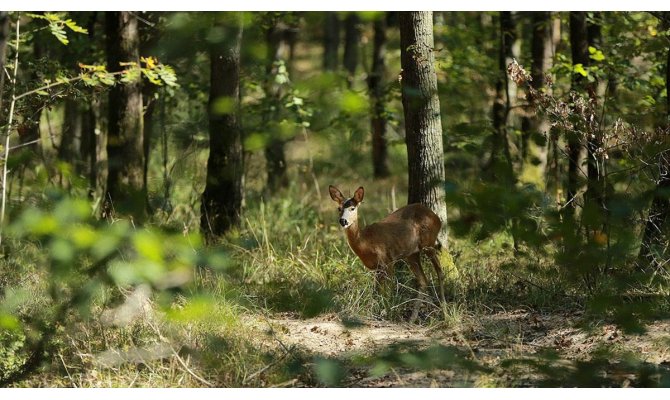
{"x": 352, "y": 208}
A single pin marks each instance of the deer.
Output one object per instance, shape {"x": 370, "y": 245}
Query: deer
{"x": 402, "y": 235}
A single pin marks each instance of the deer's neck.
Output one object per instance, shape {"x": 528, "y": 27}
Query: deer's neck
{"x": 358, "y": 245}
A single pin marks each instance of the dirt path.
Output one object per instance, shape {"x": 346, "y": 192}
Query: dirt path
{"x": 519, "y": 335}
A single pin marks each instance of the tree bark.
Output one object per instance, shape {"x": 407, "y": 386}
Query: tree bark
{"x": 580, "y": 55}
{"x": 29, "y": 129}
{"x": 90, "y": 140}
{"x": 536, "y": 127}
{"x": 279, "y": 43}
{"x": 500, "y": 166}
{"x": 4, "y": 38}
{"x": 595, "y": 180}
{"x": 71, "y": 134}
{"x": 331, "y": 41}
{"x": 149, "y": 36}
{"x": 653, "y": 251}
{"x": 376, "y": 85}
{"x": 223, "y": 195}
{"x": 126, "y": 192}
{"x": 352, "y": 38}
{"x": 421, "y": 106}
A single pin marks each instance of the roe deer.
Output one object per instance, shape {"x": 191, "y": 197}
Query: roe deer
{"x": 402, "y": 235}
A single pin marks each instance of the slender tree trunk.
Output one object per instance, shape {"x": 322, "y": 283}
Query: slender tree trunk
{"x": 595, "y": 179}
{"x": 552, "y": 175}
{"x": 126, "y": 192}
{"x": 222, "y": 198}
{"x": 421, "y": 106}
{"x": 331, "y": 41}
{"x": 536, "y": 127}
{"x": 29, "y": 129}
{"x": 580, "y": 55}
{"x": 87, "y": 146}
{"x": 653, "y": 251}
{"x": 89, "y": 139}
{"x": 4, "y": 38}
{"x": 500, "y": 164}
{"x": 352, "y": 38}
{"x": 376, "y": 85}
{"x": 149, "y": 37}
{"x": 279, "y": 51}
{"x": 71, "y": 134}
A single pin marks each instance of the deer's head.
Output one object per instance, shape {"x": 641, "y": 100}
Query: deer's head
{"x": 347, "y": 208}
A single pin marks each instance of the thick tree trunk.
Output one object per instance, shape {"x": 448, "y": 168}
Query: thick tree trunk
{"x": 500, "y": 166}
{"x": 222, "y": 198}
{"x": 126, "y": 192}
{"x": 352, "y": 38}
{"x": 580, "y": 55}
{"x": 331, "y": 41}
{"x": 421, "y": 106}
{"x": 653, "y": 251}
{"x": 376, "y": 87}
{"x": 536, "y": 127}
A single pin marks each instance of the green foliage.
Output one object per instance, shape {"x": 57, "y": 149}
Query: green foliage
{"x": 82, "y": 260}
{"x": 57, "y": 25}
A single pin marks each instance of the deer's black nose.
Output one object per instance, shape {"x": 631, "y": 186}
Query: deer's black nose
{"x": 343, "y": 222}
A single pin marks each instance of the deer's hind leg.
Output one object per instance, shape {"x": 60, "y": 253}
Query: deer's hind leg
{"x": 414, "y": 262}
{"x": 434, "y": 259}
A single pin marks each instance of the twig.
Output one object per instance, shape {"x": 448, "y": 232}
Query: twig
{"x": 67, "y": 370}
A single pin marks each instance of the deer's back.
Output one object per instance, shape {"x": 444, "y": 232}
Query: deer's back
{"x": 404, "y": 232}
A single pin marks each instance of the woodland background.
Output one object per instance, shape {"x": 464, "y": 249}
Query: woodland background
{"x": 165, "y": 219}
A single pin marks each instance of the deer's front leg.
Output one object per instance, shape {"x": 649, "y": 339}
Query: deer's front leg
{"x": 383, "y": 275}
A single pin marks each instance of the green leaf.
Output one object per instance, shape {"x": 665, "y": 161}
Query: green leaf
{"x": 596, "y": 54}
{"x": 579, "y": 69}
{"x": 74, "y": 27}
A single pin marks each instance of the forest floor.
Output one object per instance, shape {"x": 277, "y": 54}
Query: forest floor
{"x": 491, "y": 341}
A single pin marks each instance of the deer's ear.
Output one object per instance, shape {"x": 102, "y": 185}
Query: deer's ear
{"x": 358, "y": 194}
{"x": 335, "y": 194}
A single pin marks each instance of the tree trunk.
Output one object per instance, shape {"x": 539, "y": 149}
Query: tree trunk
{"x": 4, "y": 38}
{"x": 29, "y": 129}
{"x": 352, "y": 38}
{"x": 421, "y": 106}
{"x": 149, "y": 35}
{"x": 595, "y": 179}
{"x": 89, "y": 139}
{"x": 500, "y": 166}
{"x": 279, "y": 51}
{"x": 376, "y": 85}
{"x": 536, "y": 127}
{"x": 222, "y": 198}
{"x": 71, "y": 134}
{"x": 580, "y": 55}
{"x": 331, "y": 41}
{"x": 126, "y": 192}
{"x": 653, "y": 251}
